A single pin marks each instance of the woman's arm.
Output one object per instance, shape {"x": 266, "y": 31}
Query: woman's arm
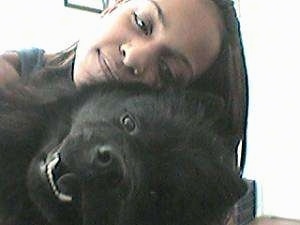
{"x": 9, "y": 67}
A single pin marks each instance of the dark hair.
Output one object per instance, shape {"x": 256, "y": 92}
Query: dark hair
{"x": 226, "y": 77}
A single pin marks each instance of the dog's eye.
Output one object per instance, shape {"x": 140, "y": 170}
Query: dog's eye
{"x": 128, "y": 123}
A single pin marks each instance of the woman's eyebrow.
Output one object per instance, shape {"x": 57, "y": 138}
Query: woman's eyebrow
{"x": 159, "y": 12}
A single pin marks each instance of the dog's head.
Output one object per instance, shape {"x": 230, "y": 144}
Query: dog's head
{"x": 135, "y": 157}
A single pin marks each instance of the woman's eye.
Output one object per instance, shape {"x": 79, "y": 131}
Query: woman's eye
{"x": 166, "y": 74}
{"x": 128, "y": 123}
{"x": 141, "y": 24}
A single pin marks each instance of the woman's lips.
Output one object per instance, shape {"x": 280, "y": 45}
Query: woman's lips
{"x": 105, "y": 66}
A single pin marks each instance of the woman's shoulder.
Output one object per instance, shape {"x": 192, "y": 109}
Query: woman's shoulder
{"x": 9, "y": 67}
{"x": 20, "y": 63}
{"x": 31, "y": 60}
{"x": 25, "y": 63}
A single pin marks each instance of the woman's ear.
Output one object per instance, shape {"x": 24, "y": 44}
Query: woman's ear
{"x": 111, "y": 7}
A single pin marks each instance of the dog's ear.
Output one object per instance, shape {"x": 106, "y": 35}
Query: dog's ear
{"x": 205, "y": 190}
{"x": 219, "y": 189}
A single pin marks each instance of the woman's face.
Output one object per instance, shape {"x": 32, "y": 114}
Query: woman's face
{"x": 151, "y": 41}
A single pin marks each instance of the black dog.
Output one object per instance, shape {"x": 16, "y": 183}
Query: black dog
{"x": 111, "y": 154}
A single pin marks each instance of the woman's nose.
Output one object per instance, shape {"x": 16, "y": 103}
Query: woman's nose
{"x": 137, "y": 58}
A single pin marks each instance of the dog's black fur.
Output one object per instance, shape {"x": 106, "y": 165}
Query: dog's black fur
{"x": 127, "y": 155}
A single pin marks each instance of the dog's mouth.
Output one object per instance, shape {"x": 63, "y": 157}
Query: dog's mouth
{"x": 62, "y": 182}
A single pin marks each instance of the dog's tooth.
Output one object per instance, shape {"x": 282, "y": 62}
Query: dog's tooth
{"x": 64, "y": 198}
{"x": 51, "y": 165}
{"x": 50, "y": 177}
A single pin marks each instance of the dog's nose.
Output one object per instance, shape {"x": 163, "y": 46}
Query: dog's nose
{"x": 104, "y": 155}
{"x": 108, "y": 162}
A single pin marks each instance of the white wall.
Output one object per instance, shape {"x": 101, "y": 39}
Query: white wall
{"x": 271, "y": 38}
{"x": 271, "y": 33}
{"x": 41, "y": 23}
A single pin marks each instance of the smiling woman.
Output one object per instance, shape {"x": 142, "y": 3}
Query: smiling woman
{"x": 199, "y": 47}
{"x": 140, "y": 40}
